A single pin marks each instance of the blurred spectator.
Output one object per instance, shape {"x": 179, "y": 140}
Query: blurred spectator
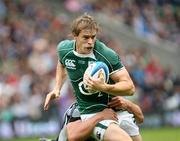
{"x": 149, "y": 19}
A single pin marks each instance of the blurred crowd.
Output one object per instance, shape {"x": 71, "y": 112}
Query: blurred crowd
{"x": 152, "y": 19}
{"x": 30, "y": 31}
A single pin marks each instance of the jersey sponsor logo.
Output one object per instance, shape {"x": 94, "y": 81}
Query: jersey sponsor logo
{"x": 70, "y": 63}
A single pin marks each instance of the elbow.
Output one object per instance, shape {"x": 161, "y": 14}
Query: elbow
{"x": 140, "y": 119}
{"x": 131, "y": 90}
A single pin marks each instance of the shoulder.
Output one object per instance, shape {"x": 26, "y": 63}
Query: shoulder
{"x": 104, "y": 51}
{"x": 65, "y": 45}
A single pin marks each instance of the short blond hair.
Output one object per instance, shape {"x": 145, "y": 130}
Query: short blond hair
{"x": 85, "y": 21}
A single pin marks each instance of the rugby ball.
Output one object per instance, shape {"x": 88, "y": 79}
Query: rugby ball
{"x": 96, "y": 70}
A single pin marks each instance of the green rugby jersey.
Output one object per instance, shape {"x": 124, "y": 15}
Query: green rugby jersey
{"x": 76, "y": 65}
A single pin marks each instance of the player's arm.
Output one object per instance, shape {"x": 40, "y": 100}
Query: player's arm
{"x": 60, "y": 77}
{"x": 123, "y": 84}
{"x": 81, "y": 130}
{"x": 119, "y": 102}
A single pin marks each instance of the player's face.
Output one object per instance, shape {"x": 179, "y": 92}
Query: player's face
{"x": 85, "y": 41}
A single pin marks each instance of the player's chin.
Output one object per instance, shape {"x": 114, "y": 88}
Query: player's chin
{"x": 88, "y": 50}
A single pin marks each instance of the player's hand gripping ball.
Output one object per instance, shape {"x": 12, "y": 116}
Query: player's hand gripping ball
{"x": 96, "y": 70}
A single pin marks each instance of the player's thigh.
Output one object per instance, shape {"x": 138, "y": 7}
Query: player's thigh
{"x": 115, "y": 133}
{"x": 137, "y": 138}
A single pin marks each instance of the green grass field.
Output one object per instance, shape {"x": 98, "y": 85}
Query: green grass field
{"x": 162, "y": 134}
